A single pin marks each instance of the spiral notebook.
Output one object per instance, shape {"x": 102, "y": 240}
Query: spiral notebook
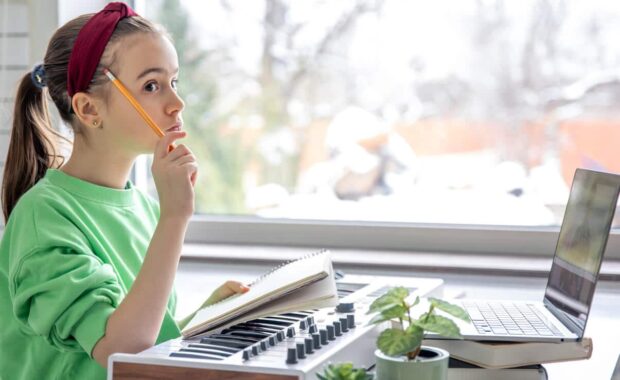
{"x": 305, "y": 283}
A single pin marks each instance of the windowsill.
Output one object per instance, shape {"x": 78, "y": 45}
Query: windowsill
{"x": 527, "y": 266}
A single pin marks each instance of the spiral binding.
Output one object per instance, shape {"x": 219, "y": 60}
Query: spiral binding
{"x": 262, "y": 277}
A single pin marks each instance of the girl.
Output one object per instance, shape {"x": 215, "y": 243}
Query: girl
{"x": 87, "y": 261}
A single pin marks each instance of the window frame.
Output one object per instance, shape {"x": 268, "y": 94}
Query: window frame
{"x": 448, "y": 238}
{"x": 412, "y": 237}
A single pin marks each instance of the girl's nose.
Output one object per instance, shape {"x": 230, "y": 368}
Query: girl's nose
{"x": 175, "y": 104}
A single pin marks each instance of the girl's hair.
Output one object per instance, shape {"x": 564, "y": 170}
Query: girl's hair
{"x": 34, "y": 141}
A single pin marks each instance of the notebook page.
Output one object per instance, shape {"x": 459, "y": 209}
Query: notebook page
{"x": 320, "y": 294}
{"x": 283, "y": 280}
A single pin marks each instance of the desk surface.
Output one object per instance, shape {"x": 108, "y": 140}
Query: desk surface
{"x": 195, "y": 279}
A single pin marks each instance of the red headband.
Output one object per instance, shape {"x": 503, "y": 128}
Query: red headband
{"x": 90, "y": 44}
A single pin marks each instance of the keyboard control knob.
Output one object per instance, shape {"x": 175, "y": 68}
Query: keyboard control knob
{"x": 337, "y": 328}
{"x": 302, "y": 324}
{"x": 351, "y": 321}
{"x": 316, "y": 341}
{"x": 313, "y": 329}
{"x": 263, "y": 345}
{"x": 331, "y": 333}
{"x": 344, "y": 324}
{"x": 290, "y": 332}
{"x": 308, "y": 344}
{"x": 345, "y": 307}
{"x": 310, "y": 320}
{"x": 272, "y": 340}
{"x": 255, "y": 350}
{"x": 301, "y": 351}
{"x": 291, "y": 356}
{"x": 246, "y": 355}
{"x": 280, "y": 336}
{"x": 323, "y": 335}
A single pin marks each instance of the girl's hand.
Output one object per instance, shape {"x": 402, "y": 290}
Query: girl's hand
{"x": 175, "y": 175}
{"x": 224, "y": 291}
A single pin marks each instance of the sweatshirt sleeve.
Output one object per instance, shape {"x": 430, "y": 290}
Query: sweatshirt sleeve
{"x": 64, "y": 296}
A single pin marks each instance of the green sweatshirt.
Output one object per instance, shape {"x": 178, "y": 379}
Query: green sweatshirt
{"x": 69, "y": 254}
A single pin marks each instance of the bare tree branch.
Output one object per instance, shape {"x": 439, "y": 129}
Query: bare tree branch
{"x": 340, "y": 27}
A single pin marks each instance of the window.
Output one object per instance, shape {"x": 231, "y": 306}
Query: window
{"x": 394, "y": 124}
{"x": 473, "y": 113}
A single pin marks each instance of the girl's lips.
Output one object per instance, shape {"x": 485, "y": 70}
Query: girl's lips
{"x": 174, "y": 128}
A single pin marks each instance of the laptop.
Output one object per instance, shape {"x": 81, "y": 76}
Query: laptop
{"x": 616, "y": 374}
{"x": 563, "y": 313}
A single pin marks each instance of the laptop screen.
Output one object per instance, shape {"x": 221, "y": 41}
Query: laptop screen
{"x": 580, "y": 247}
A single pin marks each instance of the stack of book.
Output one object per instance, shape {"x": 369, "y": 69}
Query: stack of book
{"x": 507, "y": 360}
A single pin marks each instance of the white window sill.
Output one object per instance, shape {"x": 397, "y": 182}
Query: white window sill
{"x": 377, "y": 259}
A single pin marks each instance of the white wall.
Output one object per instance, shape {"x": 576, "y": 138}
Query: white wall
{"x": 25, "y": 29}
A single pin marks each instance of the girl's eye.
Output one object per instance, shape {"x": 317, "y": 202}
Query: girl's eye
{"x": 151, "y": 87}
{"x": 174, "y": 83}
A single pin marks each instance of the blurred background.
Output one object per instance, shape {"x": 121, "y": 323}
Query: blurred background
{"x": 474, "y": 112}
{"x": 451, "y": 112}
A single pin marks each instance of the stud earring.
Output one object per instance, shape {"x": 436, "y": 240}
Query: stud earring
{"x": 95, "y": 123}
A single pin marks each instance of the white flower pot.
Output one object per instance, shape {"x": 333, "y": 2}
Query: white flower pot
{"x": 430, "y": 364}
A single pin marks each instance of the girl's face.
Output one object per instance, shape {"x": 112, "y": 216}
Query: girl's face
{"x": 148, "y": 66}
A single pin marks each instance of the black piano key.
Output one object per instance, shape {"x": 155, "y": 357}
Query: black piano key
{"x": 224, "y": 342}
{"x": 256, "y": 336}
{"x": 252, "y": 327}
{"x": 297, "y": 316}
{"x": 233, "y": 337}
{"x": 264, "y": 326}
{"x": 282, "y": 318}
{"x": 247, "y": 329}
{"x": 275, "y": 321}
{"x": 231, "y": 350}
{"x": 193, "y": 355}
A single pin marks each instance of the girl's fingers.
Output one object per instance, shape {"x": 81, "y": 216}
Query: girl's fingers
{"x": 229, "y": 288}
{"x": 179, "y": 151}
{"x": 233, "y": 287}
{"x": 184, "y": 160}
{"x": 192, "y": 169}
{"x": 236, "y": 286}
{"x": 161, "y": 148}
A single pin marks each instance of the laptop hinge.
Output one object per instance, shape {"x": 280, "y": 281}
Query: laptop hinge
{"x": 560, "y": 315}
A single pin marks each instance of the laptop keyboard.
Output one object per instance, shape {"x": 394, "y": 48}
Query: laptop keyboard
{"x": 503, "y": 318}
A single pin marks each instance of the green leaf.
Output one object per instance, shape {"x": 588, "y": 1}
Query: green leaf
{"x": 343, "y": 371}
{"x": 394, "y": 296}
{"x": 438, "y": 324}
{"x": 449, "y": 308}
{"x": 389, "y": 312}
{"x": 417, "y": 301}
{"x": 396, "y": 342}
{"x": 414, "y": 329}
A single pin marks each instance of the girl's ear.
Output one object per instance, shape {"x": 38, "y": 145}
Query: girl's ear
{"x": 87, "y": 109}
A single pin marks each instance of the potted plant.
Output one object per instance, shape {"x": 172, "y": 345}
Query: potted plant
{"x": 344, "y": 371}
{"x": 400, "y": 354}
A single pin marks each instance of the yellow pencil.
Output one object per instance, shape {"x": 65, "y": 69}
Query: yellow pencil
{"x": 136, "y": 105}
